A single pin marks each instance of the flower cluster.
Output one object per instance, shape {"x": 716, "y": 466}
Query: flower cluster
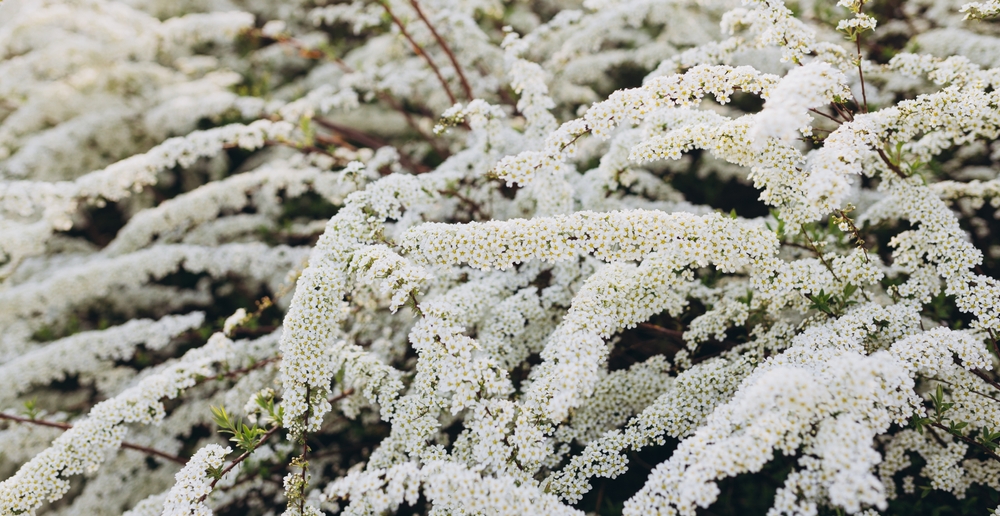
{"x": 499, "y": 257}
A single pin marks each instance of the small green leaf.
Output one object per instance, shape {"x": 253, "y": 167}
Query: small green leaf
{"x": 31, "y": 408}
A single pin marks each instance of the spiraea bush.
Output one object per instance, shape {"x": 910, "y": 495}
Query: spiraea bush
{"x": 488, "y": 257}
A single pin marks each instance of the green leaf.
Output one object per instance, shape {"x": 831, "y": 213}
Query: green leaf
{"x": 955, "y": 427}
{"x": 221, "y": 419}
{"x": 918, "y": 423}
{"x": 31, "y": 408}
{"x": 215, "y": 473}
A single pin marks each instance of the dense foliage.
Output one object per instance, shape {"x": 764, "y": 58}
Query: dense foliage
{"x": 499, "y": 257}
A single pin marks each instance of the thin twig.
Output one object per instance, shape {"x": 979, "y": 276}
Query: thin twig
{"x": 389, "y": 99}
{"x": 341, "y": 396}
{"x": 306, "y": 148}
{"x": 363, "y": 138}
{"x": 892, "y": 166}
{"x": 600, "y": 497}
{"x": 305, "y": 451}
{"x": 844, "y": 112}
{"x": 822, "y": 114}
{"x": 937, "y": 437}
{"x": 679, "y": 336}
{"x": 946, "y": 382}
{"x": 984, "y": 377}
{"x": 419, "y": 51}
{"x": 310, "y": 53}
{"x": 473, "y": 205}
{"x": 66, "y": 426}
{"x": 238, "y": 460}
{"x": 264, "y": 438}
{"x": 447, "y": 51}
{"x": 667, "y": 332}
{"x": 968, "y": 440}
{"x": 820, "y": 255}
{"x": 335, "y": 139}
{"x": 371, "y": 142}
{"x": 237, "y": 372}
{"x": 861, "y": 74}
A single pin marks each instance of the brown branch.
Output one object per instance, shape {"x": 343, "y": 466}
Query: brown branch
{"x": 679, "y": 336}
{"x": 822, "y": 114}
{"x": 341, "y": 396}
{"x": 370, "y": 141}
{"x": 798, "y": 246}
{"x": 984, "y": 377}
{"x": 861, "y": 74}
{"x": 983, "y": 394}
{"x": 820, "y": 255}
{"x": 844, "y": 112}
{"x": 66, "y": 426}
{"x": 937, "y": 438}
{"x": 374, "y": 142}
{"x": 447, "y": 51}
{"x": 310, "y": 53}
{"x": 473, "y": 205}
{"x": 418, "y": 50}
{"x": 892, "y": 166}
{"x": 389, "y": 99}
{"x": 237, "y": 372}
{"x": 264, "y": 438}
{"x": 855, "y": 232}
{"x": 305, "y": 450}
{"x": 968, "y": 440}
{"x": 306, "y": 148}
{"x": 238, "y": 460}
{"x": 363, "y": 138}
{"x": 348, "y": 132}
{"x": 667, "y": 332}
{"x": 561, "y": 148}
{"x": 335, "y": 139}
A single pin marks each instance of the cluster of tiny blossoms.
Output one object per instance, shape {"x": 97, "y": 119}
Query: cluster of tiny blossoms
{"x": 459, "y": 259}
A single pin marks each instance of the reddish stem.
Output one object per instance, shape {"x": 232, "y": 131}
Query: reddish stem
{"x": 419, "y": 50}
{"x": 66, "y": 426}
{"x": 447, "y": 51}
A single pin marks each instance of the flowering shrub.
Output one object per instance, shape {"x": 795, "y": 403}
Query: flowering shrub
{"x": 499, "y": 257}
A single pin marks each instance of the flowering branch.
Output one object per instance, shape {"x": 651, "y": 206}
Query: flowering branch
{"x": 66, "y": 426}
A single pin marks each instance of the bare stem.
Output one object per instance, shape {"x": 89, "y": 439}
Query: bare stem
{"x": 305, "y": 451}
{"x": 861, "y": 75}
{"x": 419, "y": 50}
{"x": 373, "y": 142}
{"x": 341, "y": 396}
{"x": 984, "y": 377}
{"x": 824, "y": 115}
{"x": 968, "y": 440}
{"x": 844, "y": 112}
{"x": 820, "y": 255}
{"x": 474, "y": 207}
{"x": 237, "y": 372}
{"x": 66, "y": 426}
{"x": 389, "y": 99}
{"x": 447, "y": 50}
{"x": 892, "y": 166}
